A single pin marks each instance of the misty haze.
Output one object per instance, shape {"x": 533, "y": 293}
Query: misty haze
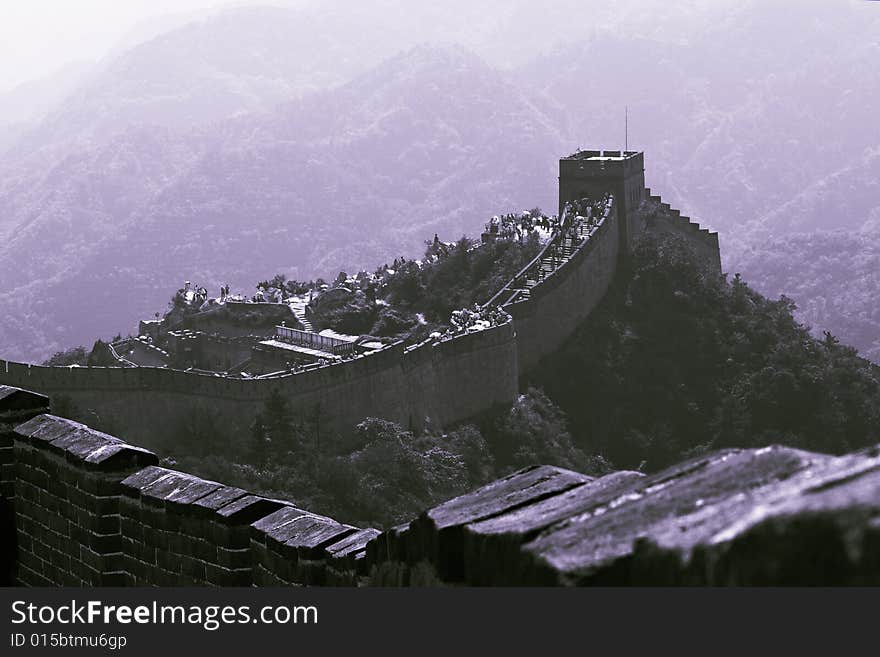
{"x": 505, "y": 292}
{"x": 329, "y": 137}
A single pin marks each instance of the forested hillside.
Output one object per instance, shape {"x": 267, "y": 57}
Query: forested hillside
{"x": 673, "y": 363}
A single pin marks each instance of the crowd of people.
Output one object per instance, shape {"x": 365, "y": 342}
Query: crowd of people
{"x": 519, "y": 226}
{"x": 576, "y": 213}
{"x": 477, "y": 318}
{"x": 194, "y": 295}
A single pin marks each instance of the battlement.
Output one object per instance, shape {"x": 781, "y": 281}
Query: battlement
{"x": 92, "y": 510}
{"x": 607, "y": 165}
{"x": 608, "y": 157}
{"x": 663, "y": 219}
{"x": 83, "y": 508}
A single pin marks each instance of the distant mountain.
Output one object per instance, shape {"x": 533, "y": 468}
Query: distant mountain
{"x": 301, "y": 140}
{"x": 240, "y": 60}
{"x": 848, "y": 198}
{"x": 24, "y": 106}
{"x": 29, "y": 102}
{"x": 433, "y": 140}
{"x": 833, "y": 276}
{"x": 188, "y": 70}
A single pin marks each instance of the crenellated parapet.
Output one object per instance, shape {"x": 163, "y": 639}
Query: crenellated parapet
{"x": 88, "y": 509}
{"x": 92, "y": 510}
{"x": 662, "y": 219}
{"x": 737, "y": 517}
{"x": 66, "y": 501}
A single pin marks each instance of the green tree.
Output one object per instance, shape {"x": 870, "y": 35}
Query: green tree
{"x": 72, "y": 356}
{"x": 534, "y": 431}
{"x": 258, "y": 448}
{"x": 278, "y": 422}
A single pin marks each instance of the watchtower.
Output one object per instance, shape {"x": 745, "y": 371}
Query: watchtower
{"x": 593, "y": 173}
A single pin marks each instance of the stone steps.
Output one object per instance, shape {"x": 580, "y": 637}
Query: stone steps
{"x": 301, "y": 317}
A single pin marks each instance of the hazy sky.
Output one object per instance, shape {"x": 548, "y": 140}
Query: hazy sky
{"x": 38, "y": 37}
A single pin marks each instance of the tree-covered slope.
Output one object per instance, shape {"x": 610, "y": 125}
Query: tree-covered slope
{"x": 673, "y": 361}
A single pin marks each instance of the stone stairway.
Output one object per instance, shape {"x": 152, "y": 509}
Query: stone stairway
{"x": 560, "y": 249}
{"x": 556, "y": 257}
{"x": 306, "y": 324}
{"x": 299, "y": 311}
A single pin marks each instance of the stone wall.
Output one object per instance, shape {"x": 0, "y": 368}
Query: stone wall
{"x": 66, "y": 501}
{"x": 665, "y": 220}
{"x": 220, "y": 353}
{"x": 747, "y": 517}
{"x": 16, "y": 406}
{"x": 438, "y": 382}
{"x": 567, "y": 297}
{"x": 91, "y": 510}
{"x": 446, "y": 381}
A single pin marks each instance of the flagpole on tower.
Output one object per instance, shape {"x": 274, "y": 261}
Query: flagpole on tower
{"x": 626, "y": 128}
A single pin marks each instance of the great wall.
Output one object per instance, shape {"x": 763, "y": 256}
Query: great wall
{"x": 440, "y": 382}
{"x": 83, "y": 508}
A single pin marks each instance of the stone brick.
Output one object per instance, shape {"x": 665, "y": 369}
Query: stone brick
{"x": 220, "y": 498}
{"x": 233, "y": 558}
{"x": 277, "y": 525}
{"x": 248, "y": 509}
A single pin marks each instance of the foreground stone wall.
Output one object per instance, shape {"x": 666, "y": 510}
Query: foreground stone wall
{"x": 91, "y": 510}
{"x": 16, "y": 406}
{"x": 752, "y": 517}
{"x": 66, "y": 502}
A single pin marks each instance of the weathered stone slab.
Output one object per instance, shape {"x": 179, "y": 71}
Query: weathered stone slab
{"x": 520, "y": 488}
{"x": 248, "y": 509}
{"x": 82, "y": 444}
{"x": 533, "y": 517}
{"x": 822, "y": 527}
{"x": 437, "y": 534}
{"x": 492, "y": 546}
{"x": 47, "y": 429}
{"x": 121, "y": 455}
{"x": 221, "y": 497}
{"x": 178, "y": 488}
{"x": 143, "y": 478}
{"x": 277, "y": 526}
{"x": 598, "y": 545}
{"x": 79, "y": 442}
{"x": 309, "y": 534}
{"x": 353, "y": 543}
